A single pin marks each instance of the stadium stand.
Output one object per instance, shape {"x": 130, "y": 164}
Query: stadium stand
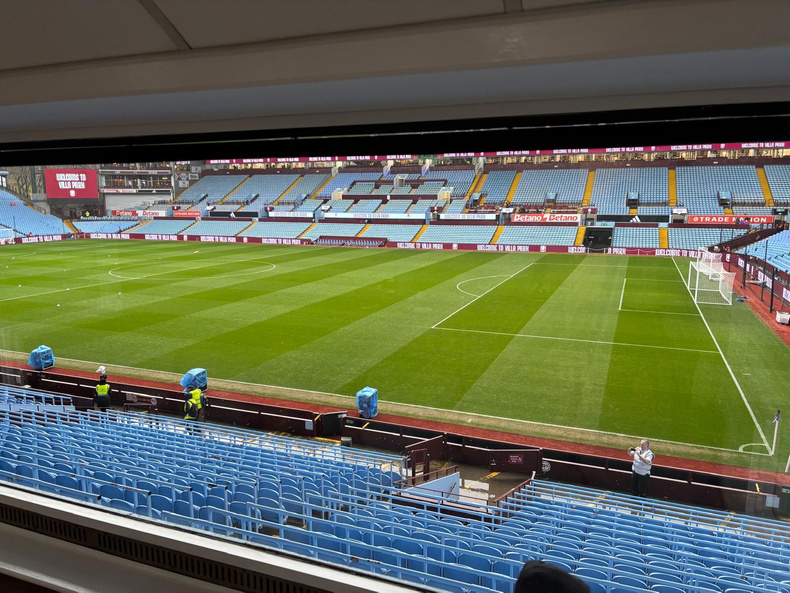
{"x": 365, "y": 206}
{"x": 567, "y": 184}
{"x": 752, "y": 210}
{"x": 104, "y": 226}
{"x": 458, "y": 233}
{"x": 402, "y": 190}
{"x": 16, "y": 215}
{"x": 307, "y": 185}
{"x": 383, "y": 189}
{"x": 612, "y": 186}
{"x": 456, "y": 206}
{"x": 698, "y": 187}
{"x": 165, "y": 227}
{"x": 361, "y": 188}
{"x": 396, "y": 206}
{"x": 310, "y": 205}
{"x": 211, "y": 188}
{"x": 393, "y": 232}
{"x": 538, "y": 235}
{"x": 340, "y": 205}
{"x": 423, "y": 206}
{"x": 779, "y": 180}
{"x": 778, "y": 249}
{"x": 459, "y": 179}
{"x": 267, "y": 187}
{"x": 639, "y": 237}
{"x": 334, "y": 230}
{"x": 217, "y": 228}
{"x": 694, "y": 238}
{"x": 496, "y": 186}
{"x": 429, "y": 187}
{"x": 276, "y": 230}
{"x": 343, "y": 180}
{"x": 344, "y": 506}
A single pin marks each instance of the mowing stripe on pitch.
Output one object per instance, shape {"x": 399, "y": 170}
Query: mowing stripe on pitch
{"x": 480, "y": 296}
{"x": 727, "y": 364}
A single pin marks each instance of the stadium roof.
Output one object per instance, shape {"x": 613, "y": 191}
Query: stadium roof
{"x": 146, "y": 67}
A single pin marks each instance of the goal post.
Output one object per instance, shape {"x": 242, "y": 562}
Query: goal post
{"x": 708, "y": 282}
{"x": 6, "y": 236}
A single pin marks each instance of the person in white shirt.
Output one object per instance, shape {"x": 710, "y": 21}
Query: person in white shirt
{"x": 643, "y": 463}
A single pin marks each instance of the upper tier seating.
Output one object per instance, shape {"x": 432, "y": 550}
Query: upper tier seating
{"x": 217, "y": 228}
{"x": 459, "y": 179}
{"x": 216, "y": 186}
{"x": 533, "y": 186}
{"x": 429, "y": 187}
{"x": 310, "y": 205}
{"x": 408, "y": 175}
{"x": 393, "y": 232}
{"x": 307, "y": 185}
{"x": 366, "y": 205}
{"x": 638, "y": 237}
{"x": 538, "y": 235}
{"x": 752, "y": 210}
{"x": 456, "y": 206}
{"x": 693, "y": 238}
{"x": 383, "y": 189}
{"x": 779, "y": 180}
{"x": 329, "y": 229}
{"x": 164, "y": 227}
{"x": 340, "y": 205}
{"x": 342, "y": 180}
{"x": 361, "y": 188}
{"x": 402, "y": 190}
{"x": 611, "y": 186}
{"x": 396, "y": 206}
{"x": 268, "y": 188}
{"x": 497, "y": 185}
{"x": 706, "y": 182}
{"x": 458, "y": 233}
{"x": 423, "y": 206}
{"x": 278, "y": 230}
{"x": 104, "y": 226}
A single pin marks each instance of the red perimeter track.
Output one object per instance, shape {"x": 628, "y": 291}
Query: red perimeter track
{"x": 480, "y": 433}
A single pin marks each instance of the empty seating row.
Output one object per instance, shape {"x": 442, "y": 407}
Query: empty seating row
{"x": 458, "y": 179}
{"x": 217, "y": 228}
{"x": 268, "y": 188}
{"x": 566, "y": 185}
{"x": 327, "y": 229}
{"x": 211, "y": 188}
{"x": 538, "y": 235}
{"x": 103, "y": 226}
{"x": 497, "y": 185}
{"x": 740, "y": 181}
{"x": 393, "y": 232}
{"x": 778, "y": 177}
{"x": 651, "y": 184}
{"x": 638, "y": 237}
{"x": 458, "y": 233}
{"x": 694, "y": 238}
{"x": 276, "y": 230}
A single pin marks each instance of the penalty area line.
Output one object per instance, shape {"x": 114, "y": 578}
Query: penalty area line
{"x": 727, "y": 364}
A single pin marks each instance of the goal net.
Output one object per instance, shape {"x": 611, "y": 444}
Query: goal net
{"x": 708, "y": 282}
{"x": 6, "y": 236}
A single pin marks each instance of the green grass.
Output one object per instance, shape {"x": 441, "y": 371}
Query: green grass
{"x": 594, "y": 349}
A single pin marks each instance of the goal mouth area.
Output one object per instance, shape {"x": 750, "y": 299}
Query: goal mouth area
{"x": 709, "y": 283}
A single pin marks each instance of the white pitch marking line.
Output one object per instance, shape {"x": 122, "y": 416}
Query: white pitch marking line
{"x": 658, "y": 312}
{"x": 727, "y": 364}
{"x": 482, "y": 295}
{"x": 622, "y": 294}
{"x": 480, "y": 331}
{"x": 418, "y": 407}
{"x": 458, "y": 286}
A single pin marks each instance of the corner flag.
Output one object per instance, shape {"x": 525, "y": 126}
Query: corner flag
{"x": 776, "y": 418}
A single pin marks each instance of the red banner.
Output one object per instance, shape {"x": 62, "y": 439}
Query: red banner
{"x": 574, "y": 218}
{"x": 728, "y": 219}
{"x": 71, "y": 184}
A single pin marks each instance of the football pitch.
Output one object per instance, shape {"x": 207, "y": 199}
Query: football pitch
{"x": 594, "y": 349}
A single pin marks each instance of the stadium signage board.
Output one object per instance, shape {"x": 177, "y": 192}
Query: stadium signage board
{"x": 316, "y": 159}
{"x": 467, "y": 216}
{"x": 147, "y": 213}
{"x": 372, "y": 215}
{"x": 71, "y": 184}
{"x": 574, "y": 218}
{"x": 42, "y": 239}
{"x": 186, "y": 213}
{"x": 728, "y": 219}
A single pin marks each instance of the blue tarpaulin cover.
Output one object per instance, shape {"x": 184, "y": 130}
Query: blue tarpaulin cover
{"x": 41, "y": 358}
{"x": 197, "y": 376}
{"x": 368, "y": 402}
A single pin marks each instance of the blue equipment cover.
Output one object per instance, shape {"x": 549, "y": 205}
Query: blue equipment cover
{"x": 197, "y": 376}
{"x": 368, "y": 402}
{"x": 41, "y": 358}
